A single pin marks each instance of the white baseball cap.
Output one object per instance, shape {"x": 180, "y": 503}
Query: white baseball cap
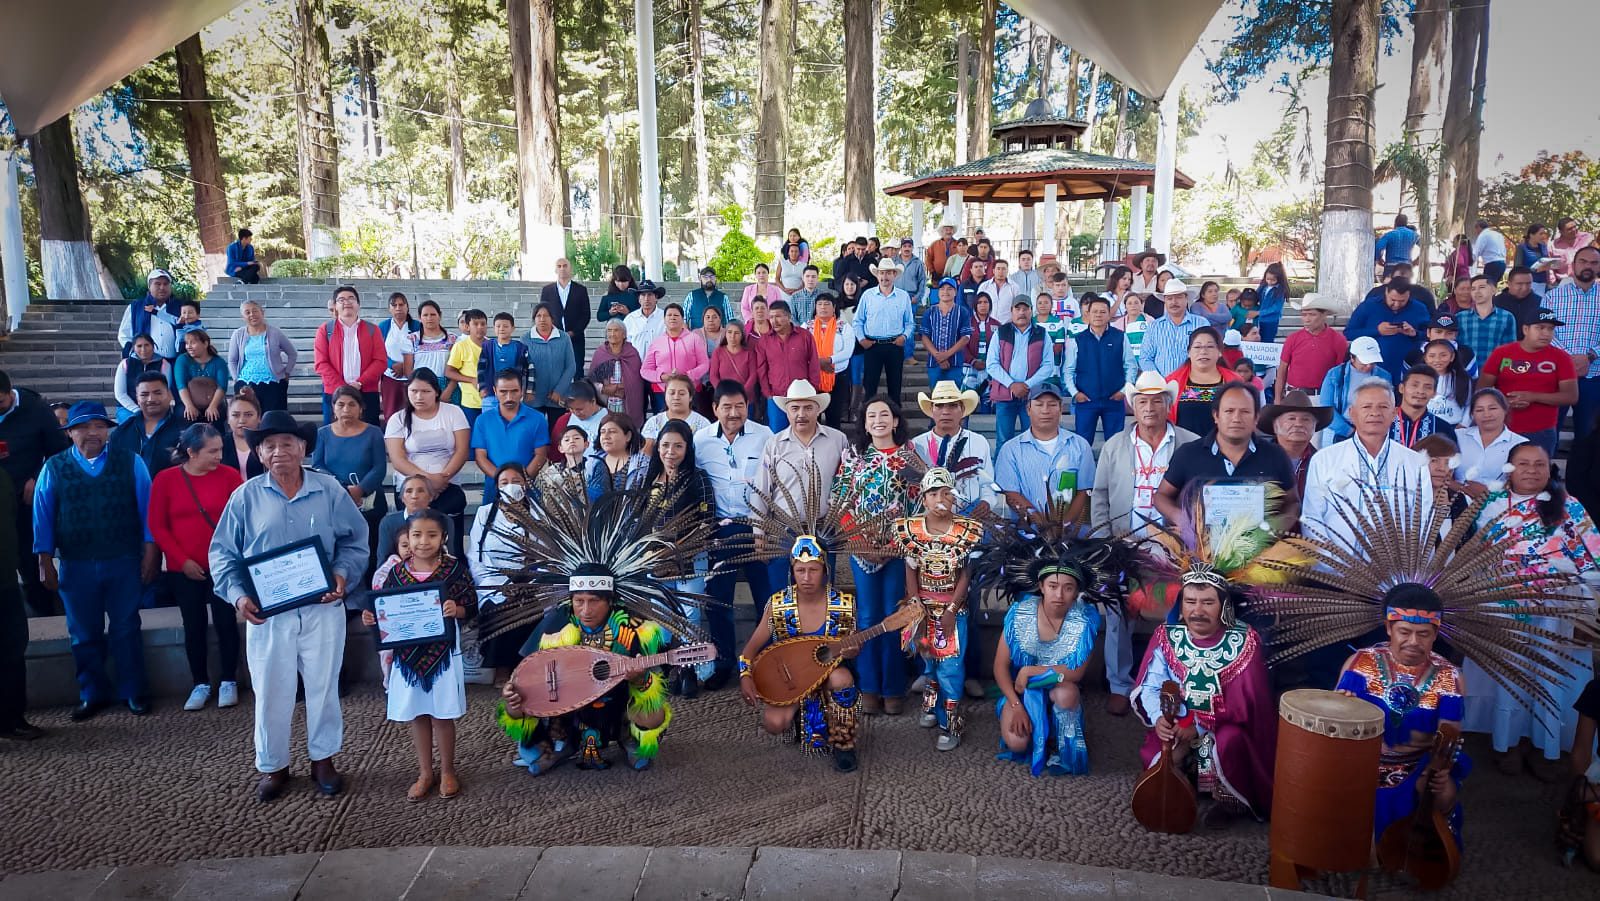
{"x": 1366, "y": 350}
{"x": 1232, "y": 338}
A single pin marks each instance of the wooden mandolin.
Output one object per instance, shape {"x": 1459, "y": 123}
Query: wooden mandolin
{"x": 556, "y": 681}
{"x": 1421, "y": 845}
{"x": 788, "y": 670}
{"x": 1163, "y": 800}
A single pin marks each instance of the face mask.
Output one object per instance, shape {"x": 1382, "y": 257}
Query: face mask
{"x": 514, "y": 492}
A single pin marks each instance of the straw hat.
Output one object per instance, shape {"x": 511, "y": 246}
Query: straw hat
{"x": 946, "y": 392}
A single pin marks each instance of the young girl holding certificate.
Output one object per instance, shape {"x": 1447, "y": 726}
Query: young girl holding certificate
{"x": 426, "y": 687}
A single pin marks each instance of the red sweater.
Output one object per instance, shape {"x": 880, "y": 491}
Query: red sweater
{"x": 180, "y": 530}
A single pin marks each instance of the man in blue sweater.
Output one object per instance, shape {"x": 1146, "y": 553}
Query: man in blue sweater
{"x": 242, "y": 263}
{"x": 1098, "y": 364}
{"x": 1395, "y": 320}
{"x": 1396, "y": 245}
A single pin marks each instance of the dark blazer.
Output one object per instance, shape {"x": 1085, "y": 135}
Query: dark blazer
{"x": 576, "y": 314}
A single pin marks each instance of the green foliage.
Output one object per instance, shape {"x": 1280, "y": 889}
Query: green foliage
{"x": 288, "y": 268}
{"x": 1226, "y": 225}
{"x": 737, "y": 253}
{"x": 1081, "y": 248}
{"x": 669, "y": 271}
{"x": 592, "y": 259}
{"x": 1545, "y": 190}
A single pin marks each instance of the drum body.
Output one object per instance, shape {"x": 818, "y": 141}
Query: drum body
{"x": 1325, "y": 784}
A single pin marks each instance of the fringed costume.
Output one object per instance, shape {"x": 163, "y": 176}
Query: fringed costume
{"x": 826, "y": 718}
{"x": 621, "y": 548}
{"x": 1396, "y": 570}
{"x": 429, "y": 679}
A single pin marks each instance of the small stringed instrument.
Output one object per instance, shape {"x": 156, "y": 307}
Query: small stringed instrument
{"x": 1163, "y": 800}
{"x": 788, "y": 670}
{"x": 557, "y": 681}
{"x": 1421, "y": 845}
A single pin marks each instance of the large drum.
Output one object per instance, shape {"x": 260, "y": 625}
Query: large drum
{"x": 1325, "y": 785}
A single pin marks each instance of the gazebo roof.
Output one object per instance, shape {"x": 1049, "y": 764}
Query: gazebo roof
{"x": 1019, "y": 176}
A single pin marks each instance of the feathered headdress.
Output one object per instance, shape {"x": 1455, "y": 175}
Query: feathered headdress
{"x": 624, "y": 543}
{"x": 1396, "y": 566}
{"x": 811, "y": 524}
{"x": 1228, "y": 555}
{"x": 1106, "y": 567}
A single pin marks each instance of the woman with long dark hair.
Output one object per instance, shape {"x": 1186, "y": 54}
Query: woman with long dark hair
{"x": 1535, "y": 246}
{"x": 353, "y": 451}
{"x": 1209, "y": 306}
{"x": 244, "y": 413}
{"x": 869, "y": 474}
{"x": 1454, "y": 387}
{"x": 186, "y": 500}
{"x": 201, "y": 378}
{"x": 682, "y": 488}
{"x": 617, "y": 463}
{"x": 433, "y": 344}
{"x": 621, "y": 297}
{"x": 1198, "y": 380}
{"x": 430, "y": 438}
{"x": 400, "y": 332}
{"x": 1273, "y": 294}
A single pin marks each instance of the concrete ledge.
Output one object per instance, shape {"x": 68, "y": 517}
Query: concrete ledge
{"x": 599, "y": 871}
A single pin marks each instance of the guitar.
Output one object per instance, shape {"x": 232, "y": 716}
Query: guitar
{"x": 1163, "y": 800}
{"x": 1421, "y": 845}
{"x": 788, "y": 670}
{"x": 556, "y": 681}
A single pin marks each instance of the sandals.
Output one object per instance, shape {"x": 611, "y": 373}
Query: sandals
{"x": 419, "y": 789}
{"x": 449, "y": 786}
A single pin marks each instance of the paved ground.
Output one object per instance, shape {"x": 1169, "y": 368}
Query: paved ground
{"x": 176, "y": 786}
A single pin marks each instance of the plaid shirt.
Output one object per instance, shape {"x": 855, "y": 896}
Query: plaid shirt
{"x": 945, "y": 330}
{"x": 1580, "y": 310}
{"x": 1484, "y": 334}
{"x": 1166, "y": 345}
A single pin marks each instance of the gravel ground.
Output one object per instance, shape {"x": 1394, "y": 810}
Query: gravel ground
{"x": 175, "y": 786}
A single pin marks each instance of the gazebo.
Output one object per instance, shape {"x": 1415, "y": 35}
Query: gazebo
{"x": 1039, "y": 165}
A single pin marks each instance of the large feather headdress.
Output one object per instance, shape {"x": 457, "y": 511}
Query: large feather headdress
{"x": 782, "y": 517}
{"x": 1019, "y": 553}
{"x": 1396, "y": 564}
{"x": 627, "y": 537}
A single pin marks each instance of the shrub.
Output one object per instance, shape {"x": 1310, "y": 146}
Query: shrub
{"x": 290, "y": 269}
{"x": 737, "y": 253}
{"x": 592, "y": 259}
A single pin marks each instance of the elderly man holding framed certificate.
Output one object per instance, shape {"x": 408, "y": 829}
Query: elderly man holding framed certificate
{"x": 285, "y": 548}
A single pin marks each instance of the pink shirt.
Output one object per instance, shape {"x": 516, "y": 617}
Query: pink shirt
{"x": 1565, "y": 252}
{"x": 686, "y": 353}
{"x": 751, "y": 292}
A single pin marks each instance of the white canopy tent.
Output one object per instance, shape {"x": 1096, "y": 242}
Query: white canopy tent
{"x": 1144, "y": 44}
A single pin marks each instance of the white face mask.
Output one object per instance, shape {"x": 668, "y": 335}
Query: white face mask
{"x": 514, "y": 492}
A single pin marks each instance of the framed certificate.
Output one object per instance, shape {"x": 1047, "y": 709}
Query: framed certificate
{"x": 1226, "y": 503}
{"x": 411, "y": 614}
{"x": 291, "y": 576}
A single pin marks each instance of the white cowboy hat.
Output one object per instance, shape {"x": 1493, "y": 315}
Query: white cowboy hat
{"x": 946, "y": 392}
{"x": 1174, "y": 286}
{"x": 1314, "y": 301}
{"x": 801, "y": 390}
{"x": 887, "y": 264}
{"x": 1150, "y": 382}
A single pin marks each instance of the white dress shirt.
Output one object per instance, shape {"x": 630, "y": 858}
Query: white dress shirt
{"x": 731, "y": 465}
{"x": 1346, "y": 470}
{"x": 1484, "y": 463}
{"x": 644, "y": 330}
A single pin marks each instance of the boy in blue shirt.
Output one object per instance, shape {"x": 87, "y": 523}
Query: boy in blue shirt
{"x": 242, "y": 263}
{"x": 502, "y": 352}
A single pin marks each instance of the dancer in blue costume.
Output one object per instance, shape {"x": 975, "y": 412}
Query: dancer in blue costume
{"x": 1038, "y": 665}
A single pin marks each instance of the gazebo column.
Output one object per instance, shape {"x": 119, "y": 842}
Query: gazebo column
{"x": 1166, "y": 169}
{"x": 1136, "y": 219}
{"x": 1047, "y": 237}
{"x": 952, "y": 209}
{"x": 919, "y": 212}
{"x": 12, "y": 255}
{"x": 1108, "y": 234}
{"x": 1029, "y": 233}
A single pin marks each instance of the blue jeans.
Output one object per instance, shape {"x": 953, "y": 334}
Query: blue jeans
{"x": 94, "y": 592}
{"x": 881, "y": 668}
{"x": 1545, "y": 438}
{"x": 695, "y": 614}
{"x": 950, "y": 672}
{"x": 1108, "y": 413}
{"x": 937, "y": 374}
{"x": 777, "y": 417}
{"x": 1269, "y": 329}
{"x": 1006, "y": 415}
{"x": 1588, "y": 406}
{"x": 719, "y": 619}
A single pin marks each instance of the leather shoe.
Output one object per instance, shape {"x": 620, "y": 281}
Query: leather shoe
{"x": 718, "y": 681}
{"x": 86, "y": 710}
{"x": 271, "y": 786}
{"x": 138, "y": 706}
{"x": 328, "y": 780}
{"x": 22, "y": 731}
{"x": 1117, "y": 705}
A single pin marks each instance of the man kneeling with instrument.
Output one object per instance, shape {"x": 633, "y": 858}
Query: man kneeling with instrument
{"x": 1225, "y": 732}
{"x": 590, "y": 620}
{"x": 825, "y": 715}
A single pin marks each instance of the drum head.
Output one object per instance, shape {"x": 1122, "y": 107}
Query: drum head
{"x": 1330, "y": 713}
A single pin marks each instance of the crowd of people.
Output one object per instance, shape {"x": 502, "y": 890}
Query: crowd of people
{"x": 717, "y": 422}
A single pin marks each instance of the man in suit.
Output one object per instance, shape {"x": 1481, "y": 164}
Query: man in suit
{"x": 572, "y": 299}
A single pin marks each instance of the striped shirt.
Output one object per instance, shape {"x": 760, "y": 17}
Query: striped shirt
{"x": 1166, "y": 344}
{"x": 1580, "y": 310}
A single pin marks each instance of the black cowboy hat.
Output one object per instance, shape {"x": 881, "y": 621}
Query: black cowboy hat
{"x": 278, "y": 422}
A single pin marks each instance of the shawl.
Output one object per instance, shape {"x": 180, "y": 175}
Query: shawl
{"x": 421, "y": 664}
{"x": 602, "y": 369}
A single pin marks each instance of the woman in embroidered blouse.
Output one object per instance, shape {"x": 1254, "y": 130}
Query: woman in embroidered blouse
{"x": 433, "y": 342}
{"x": 614, "y": 369}
{"x": 1197, "y": 381}
{"x": 1038, "y": 663}
{"x": 618, "y": 465}
{"x": 1486, "y": 444}
{"x": 870, "y": 474}
{"x": 1548, "y": 532}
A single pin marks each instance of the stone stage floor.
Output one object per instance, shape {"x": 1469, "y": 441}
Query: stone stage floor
{"x": 121, "y": 791}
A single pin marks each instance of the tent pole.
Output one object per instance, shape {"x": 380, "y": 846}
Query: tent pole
{"x": 12, "y": 256}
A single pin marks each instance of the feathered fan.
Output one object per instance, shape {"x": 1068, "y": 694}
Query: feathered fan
{"x": 626, "y": 532}
{"x": 1112, "y": 565}
{"x": 1396, "y": 550}
{"x": 842, "y": 526}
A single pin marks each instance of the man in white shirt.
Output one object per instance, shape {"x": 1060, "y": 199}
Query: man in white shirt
{"x": 647, "y": 323}
{"x": 956, "y": 448}
{"x": 1132, "y": 464}
{"x": 1028, "y": 280}
{"x": 1000, "y": 288}
{"x": 789, "y": 455}
{"x": 1144, "y": 274}
{"x": 1489, "y": 249}
{"x": 1369, "y": 465}
{"x": 730, "y": 451}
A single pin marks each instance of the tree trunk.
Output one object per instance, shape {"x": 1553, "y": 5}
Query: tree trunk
{"x": 541, "y": 205}
{"x": 66, "y": 248}
{"x": 318, "y": 133}
{"x": 1074, "y": 63}
{"x": 1090, "y": 111}
{"x": 772, "y": 115}
{"x": 205, "y": 162}
{"x": 702, "y": 166}
{"x": 518, "y": 31}
{"x": 1467, "y": 24}
{"x": 983, "y": 91}
{"x": 370, "y": 64}
{"x": 1467, "y": 181}
{"x": 1430, "y": 42}
{"x": 1345, "y": 257}
{"x": 457, "y": 188}
{"x": 860, "y": 137}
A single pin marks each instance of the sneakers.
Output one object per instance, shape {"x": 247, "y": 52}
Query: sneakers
{"x": 927, "y": 719}
{"x": 198, "y": 698}
{"x": 948, "y": 741}
{"x": 227, "y": 694}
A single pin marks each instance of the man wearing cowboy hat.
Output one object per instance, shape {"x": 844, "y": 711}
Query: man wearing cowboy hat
{"x": 1145, "y": 268}
{"x": 1293, "y": 423}
{"x": 1166, "y": 340}
{"x": 956, "y": 448}
{"x": 286, "y": 504}
{"x": 1132, "y": 464}
{"x": 647, "y": 323}
{"x": 791, "y": 452}
{"x": 1312, "y": 352}
{"x": 884, "y": 325}
{"x": 89, "y": 509}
